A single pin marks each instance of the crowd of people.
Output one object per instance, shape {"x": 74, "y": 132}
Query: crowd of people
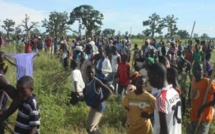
{"x": 155, "y": 83}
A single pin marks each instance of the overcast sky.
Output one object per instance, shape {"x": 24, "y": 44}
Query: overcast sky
{"x": 121, "y": 15}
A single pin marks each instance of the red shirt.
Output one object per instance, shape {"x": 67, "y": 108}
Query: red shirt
{"x": 27, "y": 47}
{"x": 48, "y": 42}
{"x": 123, "y": 69}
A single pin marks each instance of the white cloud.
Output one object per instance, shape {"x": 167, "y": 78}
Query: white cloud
{"x": 17, "y": 12}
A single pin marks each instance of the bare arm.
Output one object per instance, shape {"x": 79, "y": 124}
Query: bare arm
{"x": 10, "y": 61}
{"x": 163, "y": 124}
{"x": 104, "y": 88}
{"x": 33, "y": 130}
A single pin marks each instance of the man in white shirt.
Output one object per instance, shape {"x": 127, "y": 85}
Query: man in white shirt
{"x": 77, "y": 83}
{"x": 167, "y": 114}
{"x": 115, "y": 60}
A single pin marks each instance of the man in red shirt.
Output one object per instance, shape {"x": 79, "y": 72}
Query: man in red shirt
{"x": 48, "y": 44}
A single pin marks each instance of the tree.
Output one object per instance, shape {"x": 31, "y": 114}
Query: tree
{"x": 18, "y": 30}
{"x": 57, "y": 24}
{"x": 183, "y": 34}
{"x": 155, "y": 25}
{"x": 88, "y": 16}
{"x": 170, "y": 23}
{"x": 146, "y": 33}
{"x": 35, "y": 31}
{"x": 26, "y": 26}
{"x": 195, "y": 35}
{"x": 8, "y": 26}
{"x": 204, "y": 35}
{"x": 108, "y": 32}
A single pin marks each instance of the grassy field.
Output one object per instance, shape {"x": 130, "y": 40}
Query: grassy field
{"x": 52, "y": 84}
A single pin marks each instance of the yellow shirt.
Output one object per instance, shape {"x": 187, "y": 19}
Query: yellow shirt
{"x": 137, "y": 104}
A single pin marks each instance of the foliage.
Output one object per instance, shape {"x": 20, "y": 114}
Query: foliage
{"x": 183, "y": 34}
{"x": 8, "y": 26}
{"x": 26, "y": 26}
{"x": 57, "y": 24}
{"x": 155, "y": 24}
{"x": 204, "y": 35}
{"x": 18, "y": 30}
{"x": 170, "y": 23}
{"x": 195, "y": 35}
{"x": 52, "y": 85}
{"x": 88, "y": 16}
{"x": 108, "y": 32}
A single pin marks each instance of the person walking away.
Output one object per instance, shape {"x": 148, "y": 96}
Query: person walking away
{"x": 96, "y": 93}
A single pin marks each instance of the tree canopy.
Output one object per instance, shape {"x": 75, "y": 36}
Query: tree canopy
{"x": 88, "y": 16}
{"x": 8, "y": 26}
{"x": 183, "y": 34}
{"x": 170, "y": 22}
{"x": 27, "y": 27}
{"x": 57, "y": 24}
{"x": 155, "y": 24}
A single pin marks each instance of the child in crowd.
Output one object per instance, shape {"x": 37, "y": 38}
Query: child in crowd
{"x": 28, "y": 117}
{"x": 139, "y": 104}
{"x": 167, "y": 113}
{"x": 96, "y": 94}
{"x": 199, "y": 86}
{"x": 77, "y": 83}
{"x": 123, "y": 75}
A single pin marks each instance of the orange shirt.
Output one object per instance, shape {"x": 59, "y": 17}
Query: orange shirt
{"x": 197, "y": 96}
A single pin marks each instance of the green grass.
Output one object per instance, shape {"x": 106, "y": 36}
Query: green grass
{"x": 52, "y": 84}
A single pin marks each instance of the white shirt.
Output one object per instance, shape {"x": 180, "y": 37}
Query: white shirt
{"x": 168, "y": 102}
{"x": 106, "y": 67}
{"x": 114, "y": 62}
{"x": 77, "y": 77}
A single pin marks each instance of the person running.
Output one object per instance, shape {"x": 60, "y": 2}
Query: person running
{"x": 95, "y": 93}
{"x": 139, "y": 104}
{"x": 199, "y": 86}
{"x": 167, "y": 114}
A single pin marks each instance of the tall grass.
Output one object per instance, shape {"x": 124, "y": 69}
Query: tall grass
{"x": 52, "y": 85}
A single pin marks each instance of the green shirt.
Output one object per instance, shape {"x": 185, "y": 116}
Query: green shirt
{"x": 197, "y": 56}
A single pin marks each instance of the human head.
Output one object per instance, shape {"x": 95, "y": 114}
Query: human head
{"x": 83, "y": 54}
{"x": 164, "y": 60}
{"x": 73, "y": 64}
{"x": 25, "y": 87}
{"x": 172, "y": 75}
{"x": 114, "y": 49}
{"x": 124, "y": 58}
{"x": 91, "y": 71}
{"x": 141, "y": 83}
{"x": 157, "y": 75}
{"x": 135, "y": 45}
{"x": 198, "y": 70}
{"x": 148, "y": 62}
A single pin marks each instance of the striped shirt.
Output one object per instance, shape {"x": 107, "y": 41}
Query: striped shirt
{"x": 28, "y": 117}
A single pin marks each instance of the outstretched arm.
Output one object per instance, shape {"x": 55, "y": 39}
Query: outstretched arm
{"x": 10, "y": 61}
{"x": 104, "y": 88}
{"x": 12, "y": 93}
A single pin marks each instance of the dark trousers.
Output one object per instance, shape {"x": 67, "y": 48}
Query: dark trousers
{"x": 2, "y": 126}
